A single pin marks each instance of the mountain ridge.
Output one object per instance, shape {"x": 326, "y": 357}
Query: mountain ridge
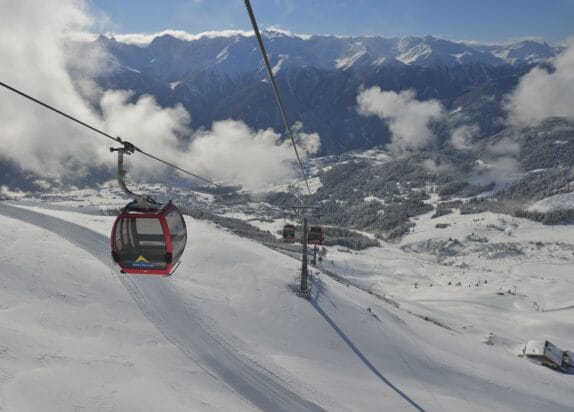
{"x": 218, "y": 77}
{"x": 327, "y": 51}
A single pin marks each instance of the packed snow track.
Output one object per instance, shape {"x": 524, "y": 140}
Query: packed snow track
{"x": 179, "y": 322}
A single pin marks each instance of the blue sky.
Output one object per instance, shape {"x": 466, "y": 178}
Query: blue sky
{"x": 483, "y": 20}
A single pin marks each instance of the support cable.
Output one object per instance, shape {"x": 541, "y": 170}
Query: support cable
{"x": 275, "y": 89}
{"x": 94, "y": 129}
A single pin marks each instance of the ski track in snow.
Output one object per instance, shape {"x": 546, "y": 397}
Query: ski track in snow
{"x": 179, "y": 323}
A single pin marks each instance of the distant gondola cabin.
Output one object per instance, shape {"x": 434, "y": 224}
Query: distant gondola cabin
{"x": 315, "y": 235}
{"x": 289, "y": 233}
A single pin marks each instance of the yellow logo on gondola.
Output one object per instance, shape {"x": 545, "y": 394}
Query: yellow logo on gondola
{"x": 142, "y": 262}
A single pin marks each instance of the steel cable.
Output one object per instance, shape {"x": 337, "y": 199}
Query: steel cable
{"x": 275, "y": 89}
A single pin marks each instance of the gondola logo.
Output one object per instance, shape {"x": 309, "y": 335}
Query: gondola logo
{"x": 142, "y": 262}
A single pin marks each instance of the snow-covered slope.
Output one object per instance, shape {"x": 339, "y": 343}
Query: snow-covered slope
{"x": 72, "y": 337}
{"x": 556, "y": 202}
{"x": 527, "y": 51}
{"x": 225, "y": 332}
{"x": 500, "y": 279}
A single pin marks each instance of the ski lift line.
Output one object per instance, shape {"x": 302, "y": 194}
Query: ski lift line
{"x": 94, "y": 129}
{"x": 275, "y": 88}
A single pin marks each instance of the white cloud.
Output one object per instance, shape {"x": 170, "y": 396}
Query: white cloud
{"x": 463, "y": 136}
{"x": 502, "y": 170}
{"x": 408, "y": 118}
{"x": 147, "y": 125}
{"x": 505, "y": 147}
{"x": 541, "y": 93}
{"x": 143, "y": 39}
{"x": 437, "y": 166}
{"x": 234, "y": 153}
{"x": 36, "y": 57}
{"x": 500, "y": 165}
{"x": 6, "y": 193}
{"x": 285, "y": 32}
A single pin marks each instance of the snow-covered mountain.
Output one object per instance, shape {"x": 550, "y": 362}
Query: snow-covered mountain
{"x": 170, "y": 57}
{"x": 526, "y": 51}
{"x": 219, "y": 76}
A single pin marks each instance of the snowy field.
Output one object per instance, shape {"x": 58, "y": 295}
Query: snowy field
{"x": 502, "y": 280}
{"x": 226, "y": 331}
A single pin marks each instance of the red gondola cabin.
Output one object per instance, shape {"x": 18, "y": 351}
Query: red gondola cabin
{"x": 149, "y": 241}
{"x": 289, "y": 233}
{"x": 315, "y": 235}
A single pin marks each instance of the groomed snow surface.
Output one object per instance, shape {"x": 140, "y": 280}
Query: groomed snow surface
{"x": 227, "y": 331}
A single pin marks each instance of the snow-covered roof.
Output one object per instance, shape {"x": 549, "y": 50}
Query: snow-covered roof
{"x": 543, "y": 348}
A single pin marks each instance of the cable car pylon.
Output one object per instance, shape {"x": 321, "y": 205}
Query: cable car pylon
{"x": 304, "y": 289}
